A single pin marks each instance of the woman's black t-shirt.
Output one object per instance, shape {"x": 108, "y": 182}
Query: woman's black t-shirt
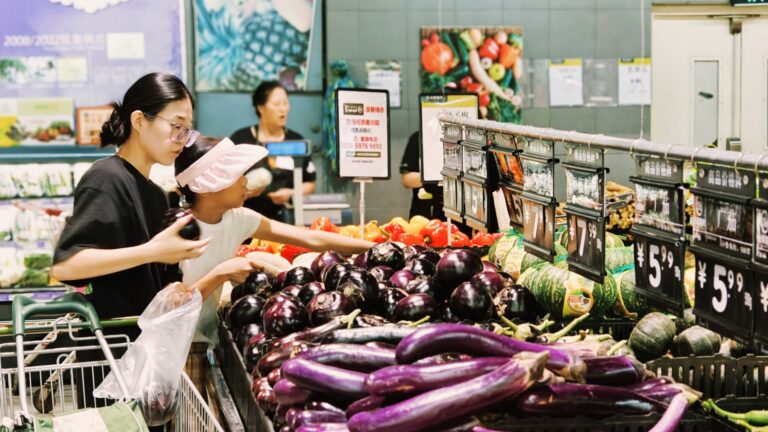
{"x": 281, "y": 176}
{"x": 115, "y": 207}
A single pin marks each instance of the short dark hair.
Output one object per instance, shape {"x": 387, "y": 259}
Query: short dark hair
{"x": 150, "y": 94}
{"x": 190, "y": 155}
{"x": 262, "y": 92}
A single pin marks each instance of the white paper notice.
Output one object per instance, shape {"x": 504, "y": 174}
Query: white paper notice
{"x": 566, "y": 83}
{"x": 125, "y": 46}
{"x": 431, "y": 131}
{"x": 635, "y": 81}
{"x": 385, "y": 76}
{"x": 363, "y": 133}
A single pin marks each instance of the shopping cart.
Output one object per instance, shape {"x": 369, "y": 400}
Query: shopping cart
{"x": 52, "y": 388}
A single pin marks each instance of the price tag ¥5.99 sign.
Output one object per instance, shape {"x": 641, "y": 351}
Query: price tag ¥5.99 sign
{"x": 724, "y": 295}
{"x": 659, "y": 271}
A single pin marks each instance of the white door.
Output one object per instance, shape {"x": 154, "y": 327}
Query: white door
{"x": 754, "y": 85}
{"x": 692, "y": 76}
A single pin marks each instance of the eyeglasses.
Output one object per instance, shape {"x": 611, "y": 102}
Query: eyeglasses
{"x": 179, "y": 133}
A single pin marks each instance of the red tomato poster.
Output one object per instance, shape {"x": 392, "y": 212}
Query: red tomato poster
{"x": 483, "y": 60}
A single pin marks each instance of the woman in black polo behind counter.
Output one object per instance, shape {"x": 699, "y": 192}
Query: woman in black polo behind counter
{"x": 270, "y": 100}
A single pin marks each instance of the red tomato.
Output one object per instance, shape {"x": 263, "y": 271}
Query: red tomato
{"x": 437, "y": 58}
{"x": 485, "y": 99}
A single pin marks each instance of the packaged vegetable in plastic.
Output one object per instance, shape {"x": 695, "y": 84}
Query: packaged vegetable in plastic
{"x": 153, "y": 364}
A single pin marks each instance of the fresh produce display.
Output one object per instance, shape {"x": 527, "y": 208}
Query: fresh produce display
{"x": 621, "y": 199}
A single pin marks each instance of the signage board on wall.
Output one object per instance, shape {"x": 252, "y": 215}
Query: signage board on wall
{"x": 362, "y": 125}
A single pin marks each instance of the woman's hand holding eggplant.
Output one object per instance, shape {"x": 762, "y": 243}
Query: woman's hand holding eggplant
{"x": 169, "y": 248}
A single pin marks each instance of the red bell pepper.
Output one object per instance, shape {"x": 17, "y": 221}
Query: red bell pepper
{"x": 243, "y": 250}
{"x": 264, "y": 247}
{"x": 323, "y": 223}
{"x": 410, "y": 239}
{"x": 490, "y": 49}
{"x": 393, "y": 231}
{"x": 290, "y": 252}
{"x": 482, "y": 239}
{"x": 459, "y": 239}
{"x": 438, "y": 237}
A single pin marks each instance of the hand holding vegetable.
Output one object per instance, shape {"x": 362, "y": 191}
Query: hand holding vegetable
{"x": 169, "y": 248}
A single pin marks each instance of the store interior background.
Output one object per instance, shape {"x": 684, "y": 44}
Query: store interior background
{"x": 363, "y": 30}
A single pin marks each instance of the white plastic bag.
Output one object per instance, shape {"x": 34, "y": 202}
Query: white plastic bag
{"x": 153, "y": 364}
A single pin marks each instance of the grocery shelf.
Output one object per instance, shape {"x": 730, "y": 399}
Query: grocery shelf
{"x": 53, "y": 153}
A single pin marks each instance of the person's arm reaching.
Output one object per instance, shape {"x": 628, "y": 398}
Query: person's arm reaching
{"x": 271, "y": 230}
{"x": 166, "y": 247}
{"x": 235, "y": 269}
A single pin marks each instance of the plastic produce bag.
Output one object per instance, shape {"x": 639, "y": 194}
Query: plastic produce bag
{"x": 153, "y": 364}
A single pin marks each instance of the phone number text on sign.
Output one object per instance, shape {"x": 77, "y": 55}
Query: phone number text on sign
{"x": 363, "y": 133}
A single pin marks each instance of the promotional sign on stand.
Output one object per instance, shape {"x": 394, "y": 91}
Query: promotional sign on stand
{"x": 659, "y": 233}
{"x": 760, "y": 262}
{"x": 538, "y": 198}
{"x": 723, "y": 245}
{"x": 363, "y": 148}
{"x": 506, "y": 151}
{"x": 585, "y": 207}
{"x": 453, "y": 192}
{"x": 479, "y": 178}
{"x": 431, "y": 105}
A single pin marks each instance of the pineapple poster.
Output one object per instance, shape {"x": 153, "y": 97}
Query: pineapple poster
{"x": 483, "y": 60}
{"x": 243, "y": 42}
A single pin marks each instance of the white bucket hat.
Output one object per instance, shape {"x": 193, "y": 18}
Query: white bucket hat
{"x": 221, "y": 167}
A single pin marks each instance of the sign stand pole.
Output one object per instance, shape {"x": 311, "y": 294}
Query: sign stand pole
{"x": 298, "y": 193}
{"x": 362, "y": 182}
{"x": 448, "y": 225}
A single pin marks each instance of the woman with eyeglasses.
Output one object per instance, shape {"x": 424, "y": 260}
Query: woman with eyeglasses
{"x": 113, "y": 242}
{"x": 270, "y": 100}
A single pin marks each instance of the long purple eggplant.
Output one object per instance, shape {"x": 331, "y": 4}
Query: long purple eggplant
{"x": 440, "y": 338}
{"x": 367, "y": 403}
{"x": 351, "y": 356}
{"x": 324, "y": 427}
{"x": 321, "y": 405}
{"x": 444, "y": 405}
{"x": 673, "y": 415}
{"x": 313, "y": 334}
{"x": 614, "y": 370}
{"x": 337, "y": 382}
{"x": 564, "y": 400}
{"x": 274, "y": 359}
{"x": 370, "y": 334}
{"x": 288, "y": 393}
{"x": 418, "y": 379}
{"x": 308, "y": 417}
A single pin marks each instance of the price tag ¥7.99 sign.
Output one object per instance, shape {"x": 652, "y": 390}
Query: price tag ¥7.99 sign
{"x": 586, "y": 246}
{"x": 724, "y": 292}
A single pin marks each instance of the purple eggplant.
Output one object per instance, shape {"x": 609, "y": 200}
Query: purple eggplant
{"x": 279, "y": 279}
{"x": 333, "y": 274}
{"x": 415, "y": 307}
{"x": 388, "y": 254}
{"x": 278, "y": 298}
{"x": 367, "y": 403}
{"x": 568, "y": 399}
{"x": 190, "y": 231}
{"x": 312, "y": 334}
{"x": 413, "y": 250}
{"x": 456, "y": 267}
{"x": 309, "y": 417}
{"x": 516, "y": 302}
{"x": 265, "y": 399}
{"x": 274, "y": 377}
{"x": 338, "y": 382}
{"x": 350, "y": 356}
{"x": 445, "y": 313}
{"x": 428, "y": 255}
{"x": 321, "y": 405}
{"x": 275, "y": 359}
{"x": 310, "y": 290}
{"x": 370, "y": 320}
{"x": 298, "y": 276}
{"x": 290, "y": 417}
{"x": 380, "y": 345}
{"x": 324, "y": 427}
{"x": 490, "y": 267}
{"x": 411, "y": 379}
{"x": 382, "y": 273}
{"x": 327, "y": 306}
{"x": 259, "y": 283}
{"x": 253, "y": 350}
{"x": 421, "y": 267}
{"x": 288, "y": 393}
{"x": 361, "y": 288}
{"x": 441, "y": 338}
{"x": 470, "y": 302}
{"x": 440, "y": 359}
{"x": 245, "y": 334}
{"x": 423, "y": 285}
{"x": 293, "y": 290}
{"x": 285, "y": 318}
{"x": 388, "y": 298}
{"x": 672, "y": 416}
{"x": 614, "y": 370}
{"x": 401, "y": 278}
{"x": 246, "y": 310}
{"x": 490, "y": 282}
{"x": 447, "y": 404}
{"x": 392, "y": 334}
{"x": 324, "y": 260}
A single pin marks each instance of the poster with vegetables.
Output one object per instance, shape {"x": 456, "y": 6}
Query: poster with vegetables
{"x": 483, "y": 60}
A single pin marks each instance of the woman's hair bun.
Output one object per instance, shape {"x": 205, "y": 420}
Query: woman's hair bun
{"x": 114, "y": 131}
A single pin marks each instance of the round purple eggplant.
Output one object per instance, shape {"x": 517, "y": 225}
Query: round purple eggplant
{"x": 293, "y": 290}
{"x": 276, "y": 299}
{"x": 401, "y": 278}
{"x": 388, "y": 254}
{"x": 298, "y": 276}
{"x": 361, "y": 260}
{"x": 324, "y": 260}
{"x": 328, "y": 305}
{"x": 470, "y": 302}
{"x": 458, "y": 266}
{"x": 421, "y": 267}
{"x": 428, "y": 255}
{"x": 388, "y": 299}
{"x": 415, "y": 307}
{"x": 491, "y": 282}
{"x": 257, "y": 283}
{"x": 490, "y": 267}
{"x": 245, "y": 333}
{"x": 517, "y": 302}
{"x": 275, "y": 376}
{"x": 423, "y": 285}
{"x": 446, "y": 314}
{"x": 361, "y": 288}
{"x": 285, "y": 318}
{"x": 309, "y": 291}
{"x": 333, "y": 274}
{"x": 246, "y": 310}
{"x": 252, "y": 351}
{"x": 190, "y": 231}
{"x": 410, "y": 251}
{"x": 382, "y": 273}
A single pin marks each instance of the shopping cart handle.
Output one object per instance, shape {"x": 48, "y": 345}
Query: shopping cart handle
{"x": 25, "y": 307}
